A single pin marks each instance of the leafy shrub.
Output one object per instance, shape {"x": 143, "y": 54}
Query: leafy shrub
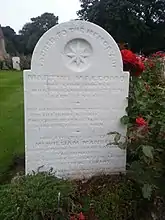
{"x": 146, "y": 149}
{"x": 113, "y": 198}
{"x": 8, "y": 62}
{"x": 25, "y": 62}
{"x": 1, "y": 64}
{"x": 34, "y": 197}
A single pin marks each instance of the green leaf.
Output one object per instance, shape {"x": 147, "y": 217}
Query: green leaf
{"x": 147, "y": 191}
{"x": 163, "y": 104}
{"x": 122, "y": 145}
{"x": 124, "y": 120}
{"x": 159, "y": 150}
{"x": 117, "y": 138}
{"x": 148, "y": 151}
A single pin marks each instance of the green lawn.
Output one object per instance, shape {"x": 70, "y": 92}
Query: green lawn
{"x": 11, "y": 118}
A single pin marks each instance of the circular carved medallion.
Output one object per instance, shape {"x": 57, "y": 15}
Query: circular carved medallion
{"x": 77, "y": 54}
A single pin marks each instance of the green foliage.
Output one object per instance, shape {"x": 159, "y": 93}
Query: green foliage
{"x": 146, "y": 145}
{"x": 147, "y": 191}
{"x": 118, "y": 140}
{"x": 147, "y": 150}
{"x": 1, "y": 64}
{"x": 25, "y": 41}
{"x": 8, "y": 62}
{"x": 32, "y": 31}
{"x": 114, "y": 198}
{"x": 35, "y": 197}
{"x": 10, "y": 40}
{"x": 124, "y": 120}
{"x": 25, "y": 62}
{"x": 129, "y": 20}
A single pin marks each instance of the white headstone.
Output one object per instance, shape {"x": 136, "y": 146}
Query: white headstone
{"x": 16, "y": 63}
{"x": 75, "y": 94}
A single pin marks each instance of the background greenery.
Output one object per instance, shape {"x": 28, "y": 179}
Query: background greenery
{"x": 25, "y": 41}
{"x": 140, "y": 23}
{"x": 137, "y": 22}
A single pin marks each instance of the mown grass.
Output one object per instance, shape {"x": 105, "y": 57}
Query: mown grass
{"x": 11, "y": 119}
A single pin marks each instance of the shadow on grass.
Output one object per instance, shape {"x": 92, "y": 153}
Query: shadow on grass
{"x": 17, "y": 166}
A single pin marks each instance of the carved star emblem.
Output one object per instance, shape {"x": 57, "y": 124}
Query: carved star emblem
{"x": 78, "y": 54}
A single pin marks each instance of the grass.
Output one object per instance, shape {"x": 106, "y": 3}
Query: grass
{"x": 11, "y": 119}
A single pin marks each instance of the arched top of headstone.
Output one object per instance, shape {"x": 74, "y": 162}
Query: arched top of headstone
{"x": 76, "y": 47}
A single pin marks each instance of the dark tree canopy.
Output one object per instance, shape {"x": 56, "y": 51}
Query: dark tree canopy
{"x": 141, "y": 23}
{"x": 10, "y": 38}
{"x": 31, "y": 32}
{"x": 25, "y": 41}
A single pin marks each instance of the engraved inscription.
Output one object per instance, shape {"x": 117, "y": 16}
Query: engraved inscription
{"x": 108, "y": 47}
{"x": 69, "y": 123}
{"x": 77, "y": 53}
{"x": 66, "y": 118}
{"x": 79, "y": 86}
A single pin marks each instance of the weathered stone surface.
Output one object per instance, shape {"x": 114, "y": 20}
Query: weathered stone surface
{"x": 75, "y": 94}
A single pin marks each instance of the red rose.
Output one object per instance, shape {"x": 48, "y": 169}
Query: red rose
{"x": 134, "y": 63}
{"x": 143, "y": 58}
{"x": 151, "y": 64}
{"x": 141, "y": 122}
{"x": 139, "y": 67}
{"x": 159, "y": 54}
{"x": 128, "y": 56}
{"x": 81, "y": 216}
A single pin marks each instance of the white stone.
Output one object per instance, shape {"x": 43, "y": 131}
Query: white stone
{"x": 16, "y": 63}
{"x": 75, "y": 94}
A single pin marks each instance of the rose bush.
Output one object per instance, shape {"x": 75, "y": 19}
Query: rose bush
{"x": 146, "y": 126}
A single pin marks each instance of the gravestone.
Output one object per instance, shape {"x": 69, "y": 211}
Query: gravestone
{"x": 74, "y": 95}
{"x": 2, "y": 50}
{"x": 2, "y": 45}
{"x": 16, "y": 63}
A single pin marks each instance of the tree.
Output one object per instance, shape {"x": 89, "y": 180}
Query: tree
{"x": 10, "y": 37}
{"x": 15, "y": 44}
{"x": 138, "y": 22}
{"x": 25, "y": 41}
{"x": 32, "y": 31}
